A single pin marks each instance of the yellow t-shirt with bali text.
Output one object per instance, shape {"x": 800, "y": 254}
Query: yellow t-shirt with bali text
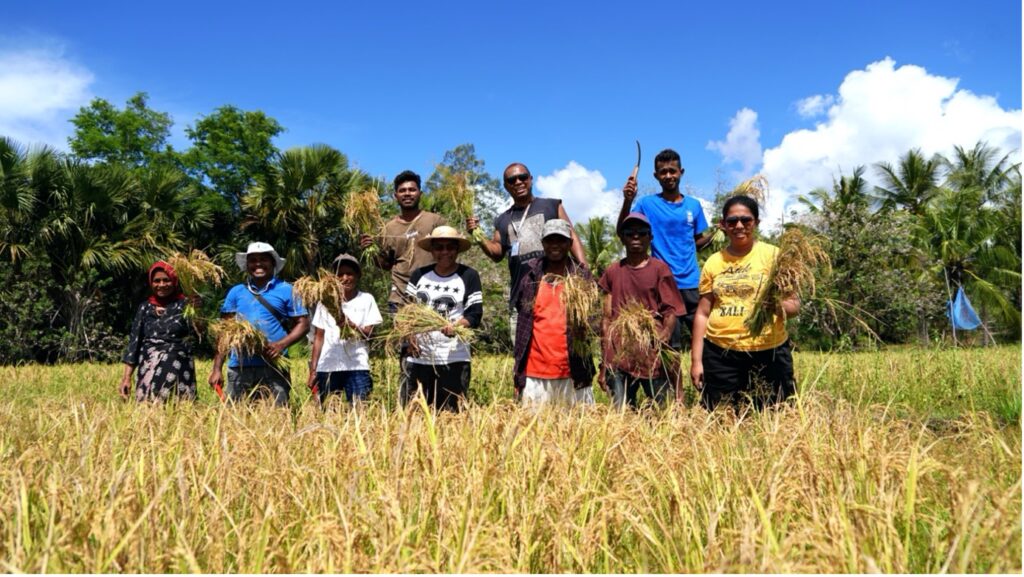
{"x": 736, "y": 282}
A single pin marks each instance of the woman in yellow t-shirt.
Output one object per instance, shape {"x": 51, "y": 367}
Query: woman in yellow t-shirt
{"x": 729, "y": 363}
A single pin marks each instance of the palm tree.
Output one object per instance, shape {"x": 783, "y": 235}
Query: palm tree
{"x": 979, "y": 168}
{"x": 600, "y": 243}
{"x": 297, "y": 204}
{"x": 911, "y": 184}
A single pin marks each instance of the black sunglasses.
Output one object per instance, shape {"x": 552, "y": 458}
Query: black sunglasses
{"x": 732, "y": 220}
{"x": 521, "y": 177}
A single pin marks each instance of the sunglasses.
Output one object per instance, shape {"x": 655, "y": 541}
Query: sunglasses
{"x": 640, "y": 232}
{"x": 442, "y": 246}
{"x": 521, "y": 177}
{"x": 733, "y": 220}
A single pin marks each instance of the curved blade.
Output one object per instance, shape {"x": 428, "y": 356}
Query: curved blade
{"x": 638, "y": 154}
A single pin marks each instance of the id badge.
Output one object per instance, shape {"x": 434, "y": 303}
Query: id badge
{"x": 515, "y": 249}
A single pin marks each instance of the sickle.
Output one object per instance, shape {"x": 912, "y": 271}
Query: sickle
{"x": 637, "y": 167}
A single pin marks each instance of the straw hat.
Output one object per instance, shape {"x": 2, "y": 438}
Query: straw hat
{"x": 446, "y": 233}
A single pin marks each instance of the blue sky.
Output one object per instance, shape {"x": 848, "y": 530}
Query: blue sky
{"x": 798, "y": 91}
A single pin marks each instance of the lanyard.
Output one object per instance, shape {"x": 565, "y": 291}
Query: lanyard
{"x": 517, "y": 227}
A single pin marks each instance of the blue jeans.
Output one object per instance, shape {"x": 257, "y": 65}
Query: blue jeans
{"x": 625, "y": 387}
{"x": 356, "y": 384}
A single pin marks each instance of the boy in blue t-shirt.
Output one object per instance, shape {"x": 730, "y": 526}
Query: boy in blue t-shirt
{"x": 677, "y": 225}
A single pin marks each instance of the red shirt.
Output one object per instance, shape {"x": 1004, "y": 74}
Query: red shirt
{"x": 549, "y": 348}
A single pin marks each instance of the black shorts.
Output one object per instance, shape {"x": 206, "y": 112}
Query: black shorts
{"x": 444, "y": 386}
{"x": 763, "y": 377}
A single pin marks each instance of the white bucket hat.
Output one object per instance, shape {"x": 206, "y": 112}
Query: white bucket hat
{"x": 258, "y": 248}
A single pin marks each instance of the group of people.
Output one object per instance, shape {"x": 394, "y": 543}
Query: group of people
{"x": 661, "y": 235}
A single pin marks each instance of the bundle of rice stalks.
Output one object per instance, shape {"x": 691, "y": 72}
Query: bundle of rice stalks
{"x": 238, "y": 335}
{"x": 415, "y": 319}
{"x": 581, "y": 299}
{"x": 326, "y": 289}
{"x": 362, "y": 216}
{"x": 756, "y": 187}
{"x": 793, "y": 273}
{"x": 458, "y": 188}
{"x": 634, "y": 333}
{"x": 195, "y": 272}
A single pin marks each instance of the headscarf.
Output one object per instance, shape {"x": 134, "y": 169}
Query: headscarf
{"x": 177, "y": 295}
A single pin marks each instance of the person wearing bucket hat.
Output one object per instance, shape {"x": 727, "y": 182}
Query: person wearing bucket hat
{"x": 340, "y": 359}
{"x": 517, "y": 231}
{"x": 439, "y": 362}
{"x": 549, "y": 366}
{"x": 637, "y": 278}
{"x": 269, "y": 304}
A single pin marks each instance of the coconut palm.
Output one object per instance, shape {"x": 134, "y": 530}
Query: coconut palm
{"x": 981, "y": 168}
{"x": 910, "y": 184}
{"x": 297, "y": 205}
{"x": 600, "y": 243}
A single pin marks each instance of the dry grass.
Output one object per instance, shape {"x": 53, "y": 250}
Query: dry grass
{"x": 196, "y": 271}
{"x": 415, "y": 319}
{"x": 756, "y": 187}
{"x": 581, "y": 299}
{"x": 820, "y": 486}
{"x": 799, "y": 256}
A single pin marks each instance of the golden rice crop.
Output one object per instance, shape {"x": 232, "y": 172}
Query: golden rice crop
{"x": 581, "y": 300}
{"x": 363, "y": 216}
{"x": 756, "y": 187}
{"x": 195, "y": 271}
{"x": 633, "y": 334}
{"x": 417, "y": 318}
{"x": 325, "y": 289}
{"x": 792, "y": 274}
{"x": 238, "y": 335}
{"x": 458, "y": 188}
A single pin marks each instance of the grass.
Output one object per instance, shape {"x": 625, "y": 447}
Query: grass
{"x": 865, "y": 472}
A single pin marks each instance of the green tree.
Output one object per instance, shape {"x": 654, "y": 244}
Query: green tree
{"x": 230, "y": 148}
{"x": 910, "y": 184}
{"x": 136, "y": 135}
{"x": 980, "y": 167}
{"x": 600, "y": 243}
{"x": 297, "y": 206}
{"x": 462, "y": 160}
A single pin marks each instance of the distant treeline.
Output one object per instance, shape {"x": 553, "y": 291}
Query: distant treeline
{"x": 79, "y": 229}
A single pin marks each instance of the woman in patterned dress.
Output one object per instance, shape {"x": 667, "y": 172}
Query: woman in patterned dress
{"x": 159, "y": 343}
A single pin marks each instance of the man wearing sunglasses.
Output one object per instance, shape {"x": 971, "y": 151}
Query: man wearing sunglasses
{"x": 518, "y": 230}
{"x": 678, "y": 224}
{"x": 637, "y": 278}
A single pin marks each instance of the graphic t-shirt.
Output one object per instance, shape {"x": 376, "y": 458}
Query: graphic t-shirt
{"x": 348, "y": 354}
{"x": 520, "y": 230}
{"x": 549, "y": 348}
{"x": 673, "y": 226}
{"x": 399, "y": 243}
{"x": 454, "y": 296}
{"x": 736, "y": 283}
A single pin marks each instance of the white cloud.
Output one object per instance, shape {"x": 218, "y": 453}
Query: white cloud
{"x": 813, "y": 106}
{"x": 880, "y": 113}
{"x": 742, "y": 144}
{"x": 40, "y": 90}
{"x": 582, "y": 192}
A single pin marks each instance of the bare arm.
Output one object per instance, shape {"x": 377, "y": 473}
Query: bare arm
{"x": 218, "y": 361}
{"x": 314, "y": 356}
{"x": 492, "y": 246}
{"x": 628, "y": 194}
{"x": 791, "y": 306}
{"x": 126, "y": 380}
{"x": 700, "y": 328}
{"x": 276, "y": 348}
{"x": 577, "y": 246}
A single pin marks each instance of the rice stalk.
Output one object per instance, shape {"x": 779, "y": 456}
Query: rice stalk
{"x": 756, "y": 187}
{"x": 195, "y": 272}
{"x": 326, "y": 289}
{"x": 633, "y": 334}
{"x": 363, "y": 216}
{"x": 792, "y": 274}
{"x": 417, "y": 318}
{"x": 581, "y": 300}
{"x": 241, "y": 337}
{"x": 459, "y": 190}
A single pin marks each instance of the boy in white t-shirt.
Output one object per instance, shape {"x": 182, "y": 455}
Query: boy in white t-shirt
{"x": 344, "y": 364}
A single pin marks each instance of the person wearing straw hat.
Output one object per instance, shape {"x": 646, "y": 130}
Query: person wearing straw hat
{"x": 517, "y": 231}
{"x": 399, "y": 253}
{"x": 342, "y": 363}
{"x": 548, "y": 368}
{"x": 440, "y": 362}
{"x": 642, "y": 279}
{"x": 268, "y": 303}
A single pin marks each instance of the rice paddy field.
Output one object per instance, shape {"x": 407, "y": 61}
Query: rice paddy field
{"x": 899, "y": 461}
